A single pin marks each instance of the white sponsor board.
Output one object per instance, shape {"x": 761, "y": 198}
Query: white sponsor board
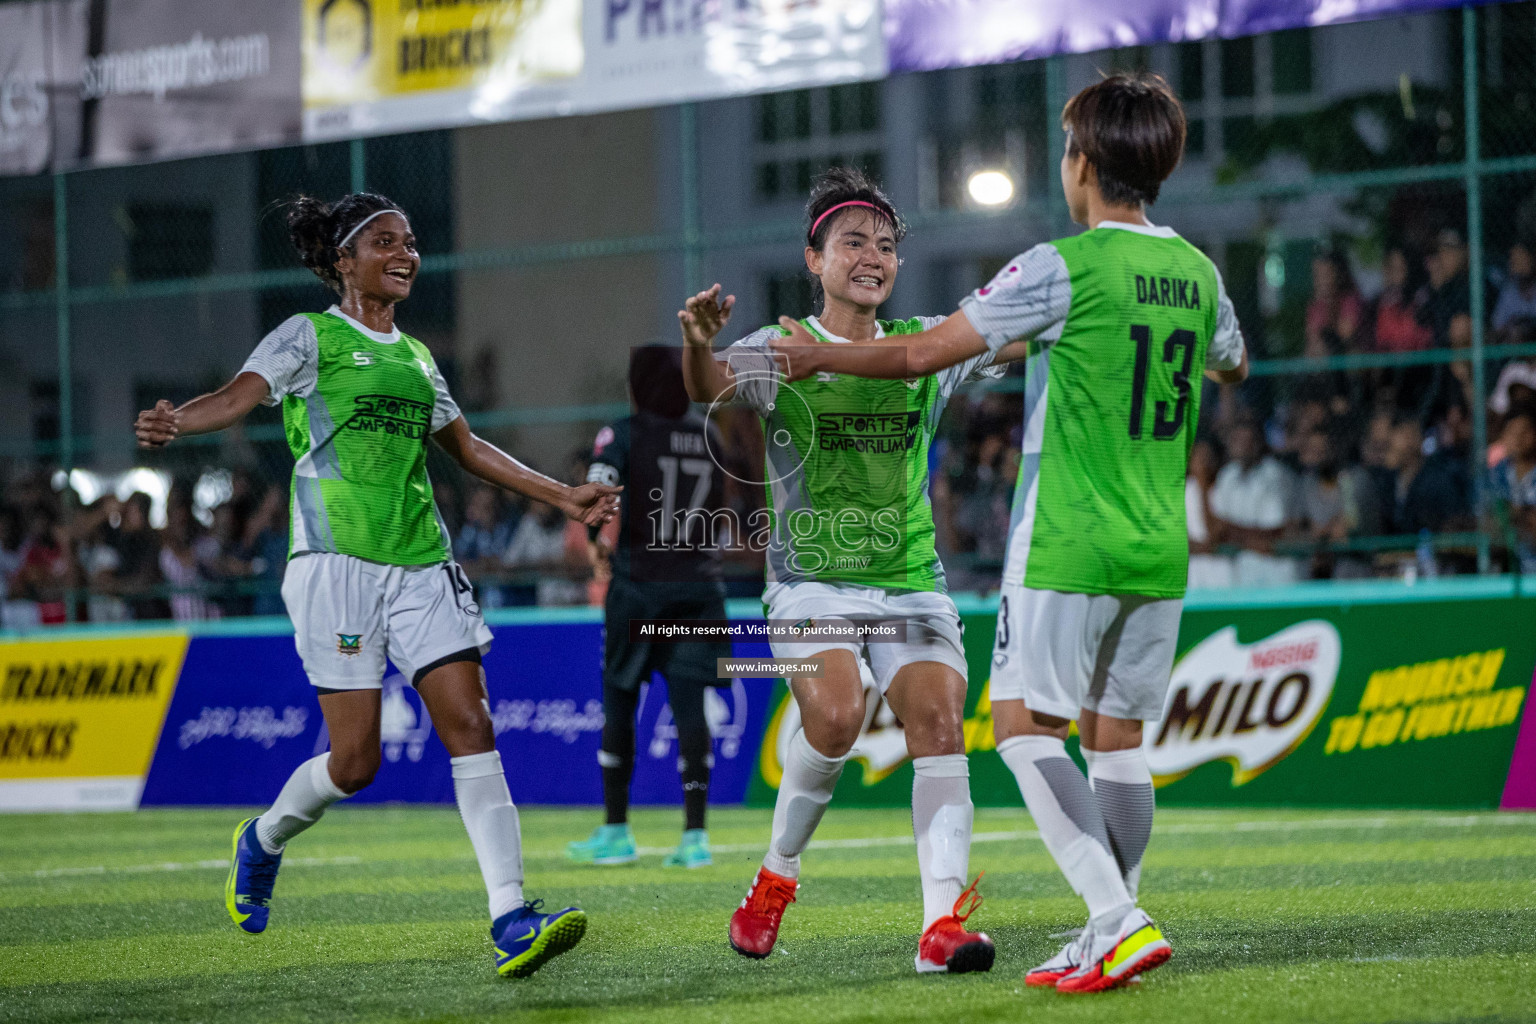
{"x": 372, "y": 68}
{"x": 25, "y": 125}
{"x": 1247, "y": 704}
{"x": 137, "y": 80}
{"x": 646, "y": 52}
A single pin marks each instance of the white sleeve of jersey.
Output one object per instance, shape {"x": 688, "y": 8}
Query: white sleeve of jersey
{"x": 1226, "y": 351}
{"x": 757, "y": 374}
{"x": 1029, "y": 298}
{"x": 976, "y": 368}
{"x": 444, "y": 409}
{"x": 288, "y": 359}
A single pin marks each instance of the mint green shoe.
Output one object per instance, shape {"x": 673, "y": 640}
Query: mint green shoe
{"x": 608, "y": 844}
{"x": 692, "y": 852}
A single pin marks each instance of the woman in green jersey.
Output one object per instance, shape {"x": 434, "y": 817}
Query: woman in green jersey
{"x": 850, "y": 539}
{"x": 1117, "y": 323}
{"x": 369, "y": 571}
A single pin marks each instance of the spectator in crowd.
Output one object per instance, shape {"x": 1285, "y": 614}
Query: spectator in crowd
{"x": 1452, "y": 435}
{"x": 1447, "y": 310}
{"x": 223, "y": 557}
{"x": 15, "y": 612}
{"x": 1251, "y": 507}
{"x": 1514, "y": 389}
{"x": 184, "y": 557}
{"x": 1335, "y": 312}
{"x": 1513, "y": 487}
{"x": 100, "y": 561}
{"x": 264, "y": 546}
{"x": 538, "y": 547}
{"x": 1427, "y": 493}
{"x": 1335, "y": 504}
{"x": 1208, "y": 569}
{"x": 1301, "y": 418}
{"x": 982, "y": 511}
{"x": 48, "y": 568}
{"x": 1397, "y": 321}
{"x": 484, "y": 537}
{"x": 1334, "y": 326}
{"x": 1514, "y": 314}
{"x": 138, "y": 551}
{"x": 10, "y": 548}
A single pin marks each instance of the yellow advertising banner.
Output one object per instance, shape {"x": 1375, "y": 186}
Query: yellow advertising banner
{"x": 85, "y": 709}
{"x": 359, "y": 53}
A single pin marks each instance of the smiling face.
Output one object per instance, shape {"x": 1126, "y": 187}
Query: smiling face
{"x": 381, "y": 261}
{"x": 857, "y": 264}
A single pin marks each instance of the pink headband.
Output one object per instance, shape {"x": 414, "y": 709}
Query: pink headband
{"x": 852, "y": 202}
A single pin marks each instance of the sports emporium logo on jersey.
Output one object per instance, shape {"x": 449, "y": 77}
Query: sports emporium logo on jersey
{"x": 1247, "y": 704}
{"x": 876, "y": 432}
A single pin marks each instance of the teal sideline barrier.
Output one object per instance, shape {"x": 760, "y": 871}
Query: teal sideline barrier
{"x": 1456, "y": 588}
{"x": 111, "y": 715}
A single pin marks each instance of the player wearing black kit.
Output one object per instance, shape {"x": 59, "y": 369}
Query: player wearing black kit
{"x": 665, "y": 565}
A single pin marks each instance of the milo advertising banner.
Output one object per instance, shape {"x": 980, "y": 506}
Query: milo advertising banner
{"x": 1413, "y": 703}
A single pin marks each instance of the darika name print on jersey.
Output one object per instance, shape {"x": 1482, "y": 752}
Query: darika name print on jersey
{"x": 1179, "y": 292}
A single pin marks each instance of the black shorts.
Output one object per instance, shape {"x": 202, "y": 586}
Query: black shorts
{"x": 628, "y": 663}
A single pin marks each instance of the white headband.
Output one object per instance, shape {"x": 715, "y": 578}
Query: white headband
{"x": 343, "y": 243}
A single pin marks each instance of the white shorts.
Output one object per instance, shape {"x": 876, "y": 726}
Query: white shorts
{"x": 1059, "y": 652}
{"x": 933, "y": 624}
{"x": 348, "y": 614}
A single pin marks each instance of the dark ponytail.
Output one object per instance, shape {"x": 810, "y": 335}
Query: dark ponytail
{"x": 316, "y": 229}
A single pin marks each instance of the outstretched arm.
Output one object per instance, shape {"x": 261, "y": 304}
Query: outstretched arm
{"x": 593, "y": 504}
{"x": 894, "y": 357}
{"x": 1028, "y": 300}
{"x": 205, "y": 414}
{"x": 702, "y": 319}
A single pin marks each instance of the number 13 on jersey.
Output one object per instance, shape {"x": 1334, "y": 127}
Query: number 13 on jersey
{"x": 1178, "y": 352}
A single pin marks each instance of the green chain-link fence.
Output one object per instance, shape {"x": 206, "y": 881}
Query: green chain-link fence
{"x": 1397, "y": 154}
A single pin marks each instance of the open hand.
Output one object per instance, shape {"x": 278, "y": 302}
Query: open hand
{"x": 795, "y": 353}
{"x": 157, "y": 427}
{"x": 592, "y": 504}
{"x": 704, "y": 316}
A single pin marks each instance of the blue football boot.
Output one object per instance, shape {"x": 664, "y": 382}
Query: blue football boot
{"x": 252, "y": 873}
{"x": 527, "y": 939}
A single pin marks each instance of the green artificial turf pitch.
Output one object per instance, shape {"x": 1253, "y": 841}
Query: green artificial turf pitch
{"x": 379, "y": 916}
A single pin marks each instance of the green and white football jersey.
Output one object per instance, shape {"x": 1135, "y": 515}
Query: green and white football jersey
{"x": 846, "y": 462}
{"x": 1123, "y": 319}
{"x": 358, "y": 407}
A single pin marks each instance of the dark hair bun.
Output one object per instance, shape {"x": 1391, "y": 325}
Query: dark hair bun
{"x": 317, "y": 229}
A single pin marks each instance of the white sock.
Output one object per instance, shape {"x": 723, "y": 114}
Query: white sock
{"x": 304, "y": 797}
{"x": 1122, "y": 785}
{"x": 806, "y": 789}
{"x": 1067, "y": 815}
{"x": 485, "y": 804}
{"x": 942, "y": 815}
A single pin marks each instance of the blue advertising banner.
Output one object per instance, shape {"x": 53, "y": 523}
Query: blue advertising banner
{"x": 243, "y": 716}
{"x": 922, "y": 35}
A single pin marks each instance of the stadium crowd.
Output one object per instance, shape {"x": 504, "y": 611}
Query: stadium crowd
{"x": 1345, "y": 474}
